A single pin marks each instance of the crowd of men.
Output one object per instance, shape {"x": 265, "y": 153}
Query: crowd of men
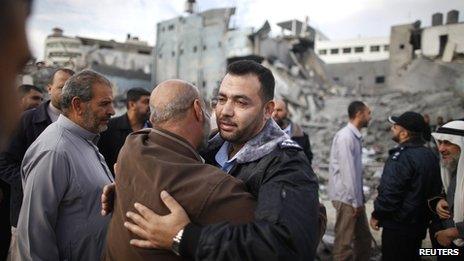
{"x": 157, "y": 183}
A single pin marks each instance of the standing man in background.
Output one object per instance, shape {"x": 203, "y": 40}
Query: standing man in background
{"x": 31, "y": 96}
{"x": 346, "y": 187}
{"x": 136, "y": 118}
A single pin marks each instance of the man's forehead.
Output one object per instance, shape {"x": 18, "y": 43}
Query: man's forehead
{"x": 239, "y": 85}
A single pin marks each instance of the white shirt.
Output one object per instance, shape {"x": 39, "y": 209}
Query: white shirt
{"x": 346, "y": 181}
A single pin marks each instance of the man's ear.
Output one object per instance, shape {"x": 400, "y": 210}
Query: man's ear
{"x": 77, "y": 105}
{"x": 49, "y": 88}
{"x": 198, "y": 112}
{"x": 269, "y": 109}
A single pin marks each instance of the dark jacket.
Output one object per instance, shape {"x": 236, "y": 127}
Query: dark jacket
{"x": 113, "y": 138}
{"x": 410, "y": 177}
{"x": 163, "y": 160}
{"x": 286, "y": 225}
{"x": 300, "y": 137}
{"x": 33, "y": 122}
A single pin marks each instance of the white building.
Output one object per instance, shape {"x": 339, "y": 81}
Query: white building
{"x": 353, "y": 50}
{"x": 62, "y": 50}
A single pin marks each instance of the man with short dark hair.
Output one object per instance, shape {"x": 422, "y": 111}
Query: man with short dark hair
{"x": 410, "y": 177}
{"x": 63, "y": 174}
{"x": 30, "y": 95}
{"x": 14, "y": 53}
{"x": 253, "y": 148}
{"x": 352, "y": 235}
{"x": 136, "y": 118}
{"x": 32, "y": 123}
{"x": 295, "y": 131}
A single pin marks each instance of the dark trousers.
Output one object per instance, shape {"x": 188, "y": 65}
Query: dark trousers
{"x": 5, "y": 229}
{"x": 399, "y": 246}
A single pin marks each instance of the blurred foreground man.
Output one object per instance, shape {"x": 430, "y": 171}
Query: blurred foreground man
{"x": 352, "y": 235}
{"x": 280, "y": 116}
{"x": 410, "y": 177}
{"x": 251, "y": 147}
{"x": 450, "y": 205}
{"x": 166, "y": 158}
{"x": 136, "y": 118}
{"x": 14, "y": 53}
{"x": 63, "y": 175}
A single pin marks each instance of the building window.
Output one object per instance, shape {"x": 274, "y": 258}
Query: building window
{"x": 359, "y": 49}
{"x": 333, "y": 51}
{"x": 160, "y": 56}
{"x": 204, "y": 83}
{"x": 173, "y": 53}
{"x": 347, "y": 50}
{"x": 181, "y": 51}
{"x": 219, "y": 44}
{"x": 375, "y": 48}
{"x": 204, "y": 47}
{"x": 323, "y": 51}
{"x": 163, "y": 29}
{"x": 171, "y": 27}
{"x": 386, "y": 47}
{"x": 380, "y": 79}
{"x": 195, "y": 49}
{"x": 360, "y": 78}
{"x": 401, "y": 46}
{"x": 336, "y": 79}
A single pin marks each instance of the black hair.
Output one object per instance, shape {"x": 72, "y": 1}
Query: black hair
{"x": 134, "y": 95}
{"x": 355, "y": 107}
{"x": 26, "y": 88}
{"x": 265, "y": 77}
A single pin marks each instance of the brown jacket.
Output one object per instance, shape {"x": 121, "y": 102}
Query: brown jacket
{"x": 153, "y": 160}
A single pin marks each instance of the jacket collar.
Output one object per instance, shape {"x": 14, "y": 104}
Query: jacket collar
{"x": 41, "y": 114}
{"x": 257, "y": 147}
{"x": 122, "y": 122}
{"x": 172, "y": 141}
{"x": 412, "y": 143}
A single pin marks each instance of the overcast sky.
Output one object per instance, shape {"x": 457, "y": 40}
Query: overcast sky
{"x": 337, "y": 19}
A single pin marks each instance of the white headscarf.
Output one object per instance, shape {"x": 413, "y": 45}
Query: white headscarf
{"x": 454, "y": 133}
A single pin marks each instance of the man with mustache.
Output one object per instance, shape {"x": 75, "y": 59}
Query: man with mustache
{"x": 450, "y": 205}
{"x": 253, "y": 148}
{"x": 165, "y": 158}
{"x": 136, "y": 118}
{"x": 410, "y": 177}
{"x": 63, "y": 174}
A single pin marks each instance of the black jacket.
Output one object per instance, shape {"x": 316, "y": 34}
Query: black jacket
{"x": 113, "y": 138}
{"x": 33, "y": 122}
{"x": 286, "y": 224}
{"x": 300, "y": 137}
{"x": 410, "y": 177}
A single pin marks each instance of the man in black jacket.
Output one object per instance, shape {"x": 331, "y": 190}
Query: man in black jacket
{"x": 31, "y": 125}
{"x": 410, "y": 177}
{"x": 136, "y": 118}
{"x": 251, "y": 147}
{"x": 280, "y": 115}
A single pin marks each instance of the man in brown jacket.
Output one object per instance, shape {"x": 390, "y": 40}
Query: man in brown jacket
{"x": 166, "y": 158}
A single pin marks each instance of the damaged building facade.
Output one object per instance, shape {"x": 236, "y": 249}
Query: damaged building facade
{"x": 127, "y": 64}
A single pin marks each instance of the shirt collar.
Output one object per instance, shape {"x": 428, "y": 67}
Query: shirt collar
{"x": 77, "y": 130}
{"x": 288, "y": 130}
{"x": 222, "y": 156}
{"x": 355, "y": 130}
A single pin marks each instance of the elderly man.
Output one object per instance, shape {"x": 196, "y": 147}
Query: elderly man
{"x": 63, "y": 175}
{"x": 280, "y": 115}
{"x": 450, "y": 205}
{"x": 410, "y": 177}
{"x": 165, "y": 158}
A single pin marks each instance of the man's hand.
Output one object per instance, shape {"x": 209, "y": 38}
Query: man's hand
{"x": 157, "y": 231}
{"x": 374, "y": 224}
{"x": 358, "y": 211}
{"x": 445, "y": 237}
{"x": 443, "y": 209}
{"x": 107, "y": 199}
